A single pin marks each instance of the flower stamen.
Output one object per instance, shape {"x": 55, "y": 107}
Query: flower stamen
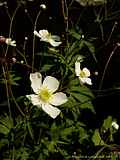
{"x": 82, "y": 74}
{"x": 45, "y": 95}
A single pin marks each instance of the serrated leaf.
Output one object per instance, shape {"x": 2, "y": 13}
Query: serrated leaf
{"x": 97, "y": 139}
{"x": 72, "y": 51}
{"x": 91, "y": 48}
{"x": 82, "y": 90}
{"x": 66, "y": 132}
{"x": 4, "y": 130}
{"x": 46, "y": 67}
{"x": 5, "y": 124}
{"x": 87, "y": 105}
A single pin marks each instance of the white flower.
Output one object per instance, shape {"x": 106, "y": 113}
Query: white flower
{"x": 115, "y": 125}
{"x": 10, "y": 42}
{"x": 45, "y": 96}
{"x": 83, "y": 74}
{"x": 43, "y": 6}
{"x": 45, "y": 36}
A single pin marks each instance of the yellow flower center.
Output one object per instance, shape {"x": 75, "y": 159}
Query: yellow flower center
{"x": 45, "y": 94}
{"x": 82, "y": 74}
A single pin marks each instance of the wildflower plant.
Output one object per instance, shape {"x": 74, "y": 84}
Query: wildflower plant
{"x": 48, "y": 82}
{"x": 45, "y": 96}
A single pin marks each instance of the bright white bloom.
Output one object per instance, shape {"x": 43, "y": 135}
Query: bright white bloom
{"x": 45, "y": 36}
{"x": 45, "y": 96}
{"x": 10, "y": 42}
{"x": 43, "y": 6}
{"x": 115, "y": 125}
{"x": 83, "y": 74}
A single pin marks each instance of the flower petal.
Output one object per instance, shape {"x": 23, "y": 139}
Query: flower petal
{"x": 43, "y": 33}
{"x": 88, "y": 81}
{"x": 77, "y": 68}
{"x": 115, "y": 125}
{"x": 54, "y": 43}
{"x": 50, "y": 110}
{"x": 86, "y": 71}
{"x": 37, "y": 34}
{"x": 34, "y": 99}
{"x": 55, "y": 37}
{"x": 85, "y": 80}
{"x": 58, "y": 99}
{"x": 51, "y": 83}
{"x": 36, "y": 81}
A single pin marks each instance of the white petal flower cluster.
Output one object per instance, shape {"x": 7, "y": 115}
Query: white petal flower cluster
{"x": 10, "y": 42}
{"x": 115, "y": 125}
{"x": 45, "y": 36}
{"x": 45, "y": 96}
{"x": 82, "y": 74}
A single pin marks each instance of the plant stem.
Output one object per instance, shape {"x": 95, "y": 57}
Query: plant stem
{"x": 106, "y": 66}
{"x": 35, "y": 25}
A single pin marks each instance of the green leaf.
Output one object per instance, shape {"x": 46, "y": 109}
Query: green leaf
{"x": 97, "y": 139}
{"x": 55, "y": 132}
{"x": 72, "y": 51}
{"x": 107, "y": 122}
{"x": 75, "y": 34}
{"x": 82, "y": 90}
{"x": 91, "y": 2}
{"x": 91, "y": 48}
{"x": 6, "y": 124}
{"x": 83, "y": 95}
{"x": 46, "y": 67}
{"x": 82, "y": 134}
{"x": 22, "y": 154}
{"x": 87, "y": 105}
{"x": 67, "y": 132}
{"x": 30, "y": 129}
{"x": 4, "y": 129}
{"x": 51, "y": 146}
{"x": 11, "y": 79}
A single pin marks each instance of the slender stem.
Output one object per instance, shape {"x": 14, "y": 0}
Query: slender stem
{"x": 65, "y": 16}
{"x": 97, "y": 154}
{"x": 102, "y": 32}
{"x": 106, "y": 66}
{"x": 33, "y": 56}
{"x": 72, "y": 1}
{"x": 7, "y": 88}
{"x": 22, "y": 55}
{"x": 18, "y": 107}
{"x": 111, "y": 33}
{"x": 11, "y": 23}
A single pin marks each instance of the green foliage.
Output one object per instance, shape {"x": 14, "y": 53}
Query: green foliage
{"x": 6, "y": 124}
{"x": 96, "y": 138}
{"x": 91, "y": 2}
{"x": 82, "y": 95}
{"x": 107, "y": 123}
{"x": 10, "y": 79}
